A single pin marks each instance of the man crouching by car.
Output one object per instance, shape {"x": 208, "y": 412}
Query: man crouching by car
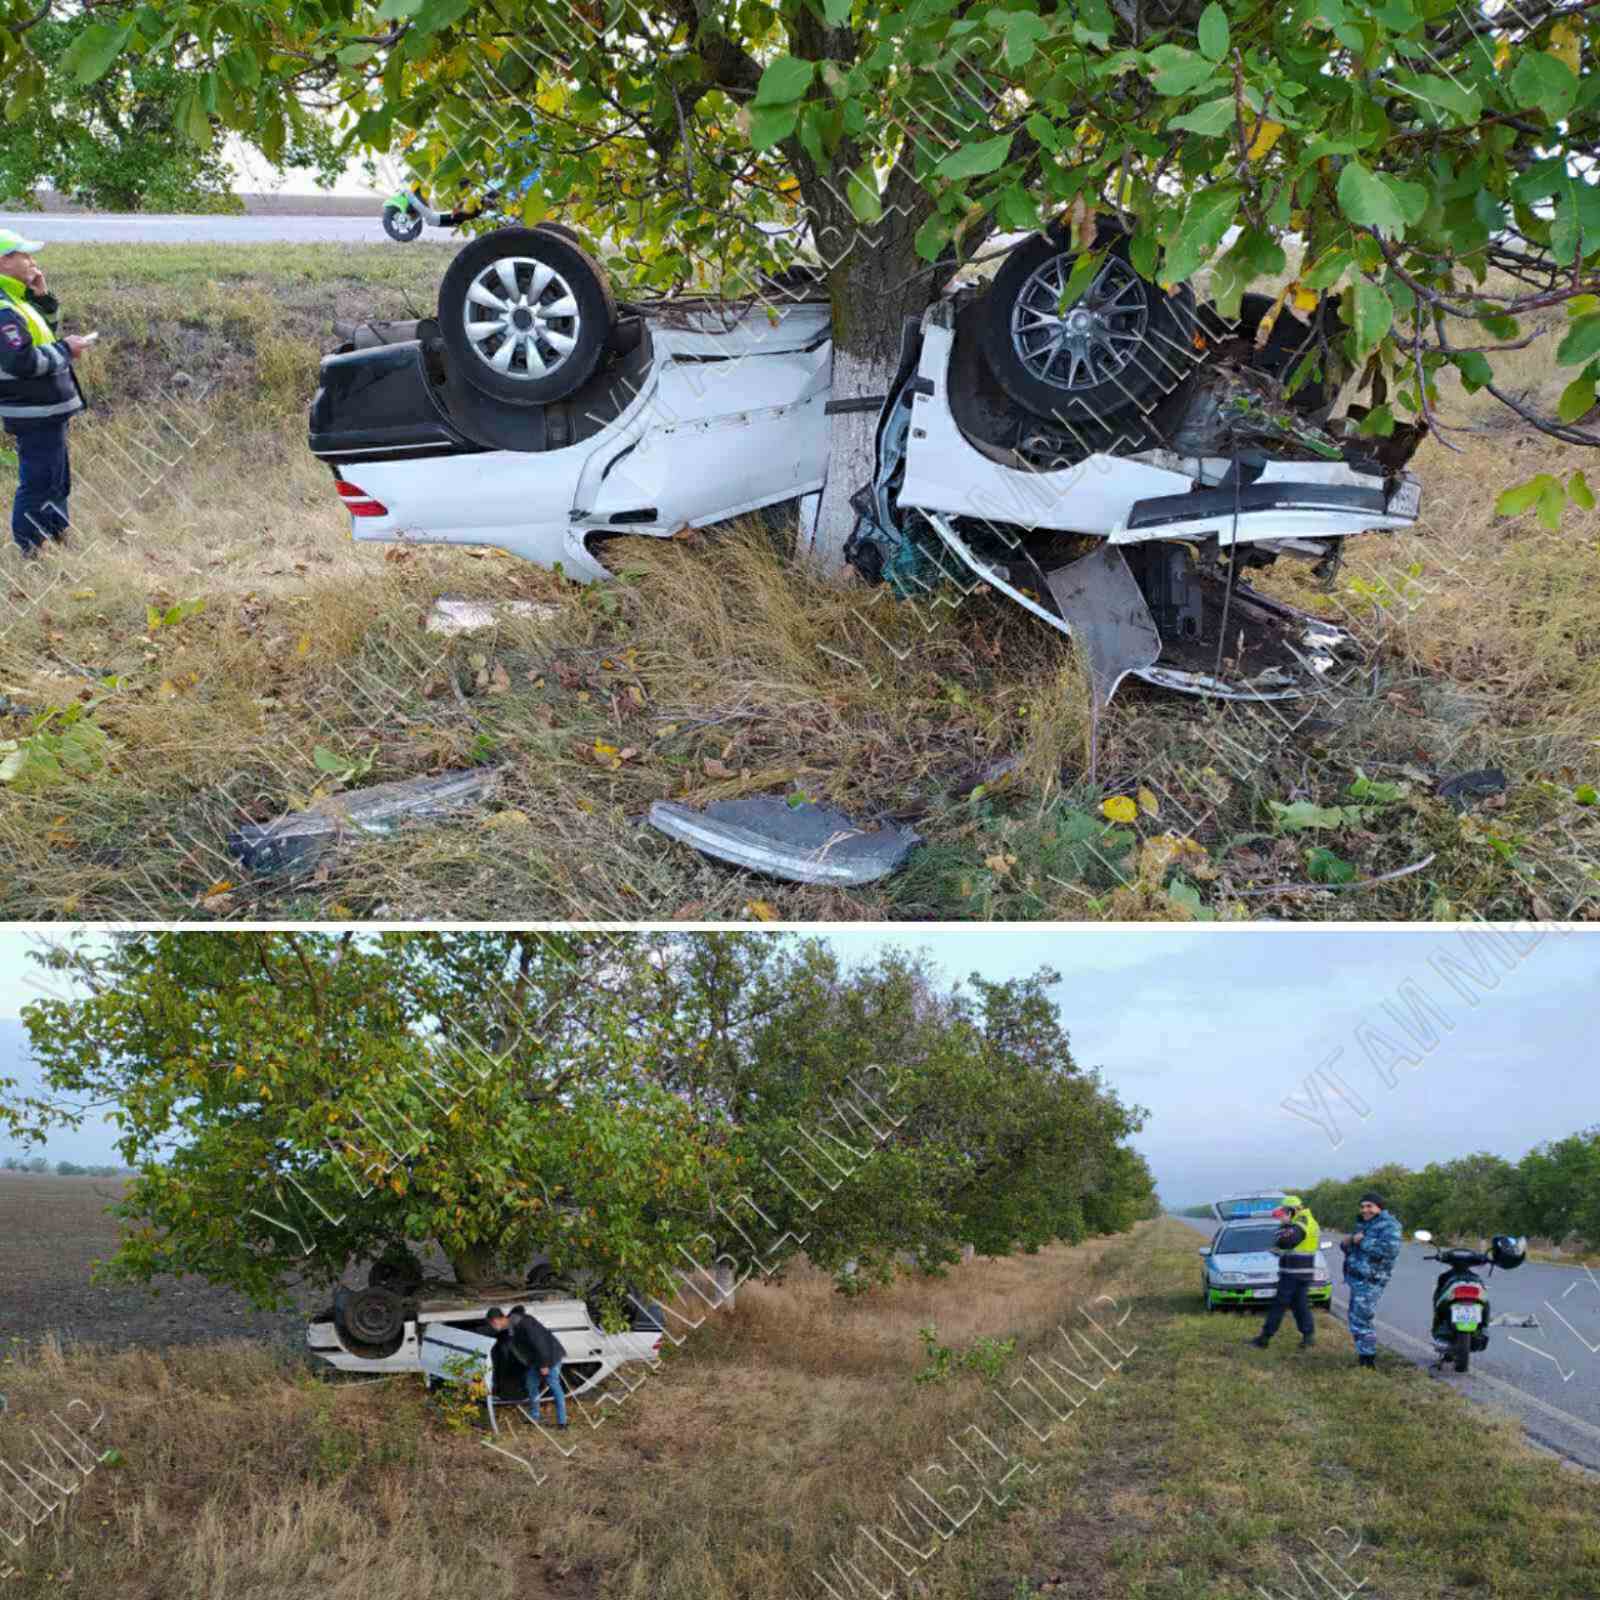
{"x": 1296, "y": 1244}
{"x": 38, "y": 394}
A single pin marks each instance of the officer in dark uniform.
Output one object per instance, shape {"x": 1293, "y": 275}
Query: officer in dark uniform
{"x": 39, "y": 393}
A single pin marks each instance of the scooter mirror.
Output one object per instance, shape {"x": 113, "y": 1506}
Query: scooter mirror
{"x": 1422, "y": 1236}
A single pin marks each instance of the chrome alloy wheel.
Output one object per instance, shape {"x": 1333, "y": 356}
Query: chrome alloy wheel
{"x": 521, "y": 317}
{"x": 1094, "y": 339}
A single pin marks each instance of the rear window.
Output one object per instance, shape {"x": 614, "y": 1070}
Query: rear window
{"x": 1241, "y": 1241}
{"x": 1249, "y": 1206}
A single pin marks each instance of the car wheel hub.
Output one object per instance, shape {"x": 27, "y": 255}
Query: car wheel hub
{"x": 1089, "y": 344}
{"x": 521, "y": 317}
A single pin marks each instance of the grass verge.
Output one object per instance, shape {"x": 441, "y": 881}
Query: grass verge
{"x": 783, "y": 1433}
{"x": 716, "y": 669}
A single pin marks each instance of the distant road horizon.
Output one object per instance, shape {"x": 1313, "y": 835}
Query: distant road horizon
{"x": 80, "y": 227}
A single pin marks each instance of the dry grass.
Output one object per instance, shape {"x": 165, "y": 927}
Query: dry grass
{"x": 716, "y": 669}
{"x": 782, "y": 1431}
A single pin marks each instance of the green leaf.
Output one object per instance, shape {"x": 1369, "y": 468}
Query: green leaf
{"x": 1206, "y": 218}
{"x": 1575, "y": 227}
{"x": 861, "y": 190}
{"x": 327, "y": 761}
{"x": 1214, "y": 117}
{"x": 1475, "y": 370}
{"x": 1540, "y": 82}
{"x": 1177, "y": 71}
{"x": 1513, "y": 502}
{"x": 1586, "y": 794}
{"x": 836, "y": 12}
{"x": 1579, "y": 492}
{"x": 1183, "y": 893}
{"x": 1326, "y": 867}
{"x": 1369, "y": 313}
{"x": 974, "y": 160}
{"x": 1304, "y": 814}
{"x": 1464, "y": 104}
{"x": 398, "y": 10}
{"x": 770, "y": 124}
{"x": 1328, "y": 270}
{"x": 1581, "y": 343}
{"x": 190, "y": 117}
{"x": 1213, "y": 32}
{"x": 1021, "y": 32}
{"x": 1368, "y": 201}
{"x": 1577, "y": 399}
{"x": 1552, "y": 502}
{"x": 29, "y": 87}
{"x": 784, "y": 81}
{"x": 90, "y": 55}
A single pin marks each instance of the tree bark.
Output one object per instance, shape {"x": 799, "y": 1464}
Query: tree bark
{"x": 875, "y": 280}
{"x": 473, "y": 1266}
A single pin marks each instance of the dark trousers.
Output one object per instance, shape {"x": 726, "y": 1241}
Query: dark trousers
{"x": 1294, "y": 1294}
{"x": 44, "y": 481}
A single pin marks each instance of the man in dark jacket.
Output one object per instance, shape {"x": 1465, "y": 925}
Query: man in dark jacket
{"x": 1369, "y": 1257}
{"x": 538, "y": 1349}
{"x": 39, "y": 393}
{"x": 1296, "y": 1243}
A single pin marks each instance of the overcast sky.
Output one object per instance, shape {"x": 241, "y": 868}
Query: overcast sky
{"x": 1214, "y": 1030}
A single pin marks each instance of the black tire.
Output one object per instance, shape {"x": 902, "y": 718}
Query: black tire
{"x": 1134, "y": 348}
{"x": 374, "y": 1316}
{"x": 562, "y": 231}
{"x": 1462, "y": 1351}
{"x": 537, "y": 370}
{"x": 402, "y": 225}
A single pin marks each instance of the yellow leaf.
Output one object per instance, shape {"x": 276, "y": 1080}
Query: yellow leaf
{"x": 762, "y": 910}
{"x": 1265, "y": 139}
{"x": 506, "y": 819}
{"x": 222, "y": 886}
{"x": 167, "y": 690}
{"x": 341, "y": 912}
{"x": 1304, "y": 299}
{"x": 1119, "y": 808}
{"x": 1502, "y": 52}
{"x": 1564, "y": 45}
{"x": 998, "y": 864}
{"x": 304, "y": 646}
{"x": 83, "y": 594}
{"x": 1148, "y": 803}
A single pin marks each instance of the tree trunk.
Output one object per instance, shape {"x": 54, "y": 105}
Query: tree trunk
{"x": 475, "y": 1265}
{"x": 876, "y": 280}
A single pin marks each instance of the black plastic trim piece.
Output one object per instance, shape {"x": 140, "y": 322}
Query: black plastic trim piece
{"x": 1208, "y": 503}
{"x": 860, "y": 402}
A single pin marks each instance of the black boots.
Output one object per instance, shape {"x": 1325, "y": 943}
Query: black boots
{"x": 1307, "y": 1340}
{"x": 1367, "y": 1361}
{"x": 1260, "y": 1342}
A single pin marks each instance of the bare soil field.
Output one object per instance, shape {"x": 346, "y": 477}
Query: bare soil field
{"x": 53, "y": 1230}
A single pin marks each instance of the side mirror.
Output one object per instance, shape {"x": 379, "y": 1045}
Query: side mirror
{"x": 1205, "y": 1250}
{"x": 1422, "y": 1236}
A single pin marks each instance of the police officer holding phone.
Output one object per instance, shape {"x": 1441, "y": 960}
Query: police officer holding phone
{"x": 39, "y": 393}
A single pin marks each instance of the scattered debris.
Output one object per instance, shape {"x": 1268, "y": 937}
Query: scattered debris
{"x": 804, "y": 843}
{"x": 1461, "y": 790}
{"x": 467, "y": 616}
{"x": 299, "y": 838}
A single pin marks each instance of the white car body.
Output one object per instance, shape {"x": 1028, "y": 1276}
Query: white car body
{"x": 592, "y": 1353}
{"x": 732, "y": 418}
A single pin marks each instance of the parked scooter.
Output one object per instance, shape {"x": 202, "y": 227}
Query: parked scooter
{"x": 407, "y": 212}
{"x": 1461, "y": 1310}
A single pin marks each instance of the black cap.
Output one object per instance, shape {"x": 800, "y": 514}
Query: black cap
{"x": 519, "y": 1311}
{"x": 1376, "y": 1199}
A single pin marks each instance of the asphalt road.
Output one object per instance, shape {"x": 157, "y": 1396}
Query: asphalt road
{"x": 143, "y": 229}
{"x": 1548, "y": 1377}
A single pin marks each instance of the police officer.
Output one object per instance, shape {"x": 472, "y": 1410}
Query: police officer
{"x": 38, "y": 393}
{"x": 1296, "y": 1244}
{"x": 1369, "y": 1257}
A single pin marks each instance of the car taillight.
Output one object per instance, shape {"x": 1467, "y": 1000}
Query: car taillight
{"x": 358, "y": 502}
{"x": 656, "y": 1345}
{"x": 1467, "y": 1291}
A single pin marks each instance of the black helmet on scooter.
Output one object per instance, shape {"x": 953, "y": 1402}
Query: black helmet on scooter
{"x": 1508, "y": 1251}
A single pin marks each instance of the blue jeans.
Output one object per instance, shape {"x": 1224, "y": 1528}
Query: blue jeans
{"x": 553, "y": 1383}
{"x": 44, "y": 481}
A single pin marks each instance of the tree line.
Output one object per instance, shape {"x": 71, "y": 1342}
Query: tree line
{"x": 619, "y": 1104}
{"x": 62, "y": 1169}
{"x": 1553, "y": 1193}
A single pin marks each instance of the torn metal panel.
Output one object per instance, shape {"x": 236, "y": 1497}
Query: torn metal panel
{"x": 802, "y": 843}
{"x": 468, "y": 616}
{"x": 1106, "y": 612}
{"x": 300, "y": 838}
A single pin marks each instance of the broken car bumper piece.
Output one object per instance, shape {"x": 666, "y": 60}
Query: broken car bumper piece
{"x": 804, "y": 844}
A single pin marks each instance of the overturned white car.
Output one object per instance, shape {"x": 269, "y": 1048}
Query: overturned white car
{"x": 1111, "y": 457}
{"x": 376, "y": 1330}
